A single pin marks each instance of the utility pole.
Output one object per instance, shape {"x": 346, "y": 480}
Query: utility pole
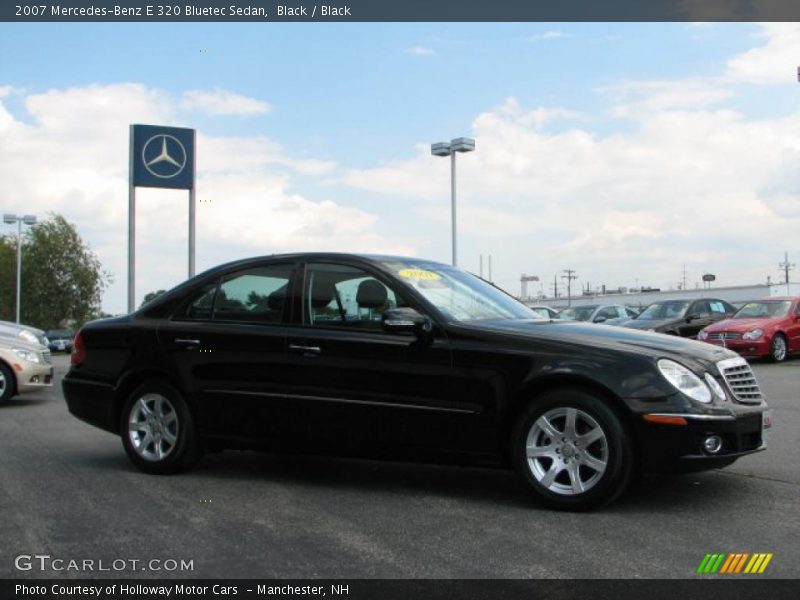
{"x": 481, "y": 267}
{"x": 786, "y": 266}
{"x": 555, "y": 286}
{"x": 569, "y": 275}
{"x": 683, "y": 279}
{"x": 490, "y": 268}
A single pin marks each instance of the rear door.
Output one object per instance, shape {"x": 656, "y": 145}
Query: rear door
{"x": 228, "y": 344}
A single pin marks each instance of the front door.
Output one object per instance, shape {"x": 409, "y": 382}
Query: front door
{"x": 353, "y": 384}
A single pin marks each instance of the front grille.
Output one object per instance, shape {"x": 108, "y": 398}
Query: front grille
{"x": 724, "y": 336}
{"x": 741, "y": 380}
{"x": 47, "y": 357}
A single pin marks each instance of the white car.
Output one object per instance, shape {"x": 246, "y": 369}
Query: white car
{"x": 24, "y": 367}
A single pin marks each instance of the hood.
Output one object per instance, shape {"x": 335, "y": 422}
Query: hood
{"x": 742, "y": 325}
{"x": 8, "y": 341}
{"x": 650, "y": 323}
{"x": 621, "y": 339}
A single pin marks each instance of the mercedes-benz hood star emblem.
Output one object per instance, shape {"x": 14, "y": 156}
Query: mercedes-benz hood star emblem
{"x": 163, "y": 156}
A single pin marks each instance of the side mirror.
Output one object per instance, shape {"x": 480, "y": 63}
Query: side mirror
{"x": 406, "y": 320}
{"x": 599, "y": 319}
{"x": 690, "y": 318}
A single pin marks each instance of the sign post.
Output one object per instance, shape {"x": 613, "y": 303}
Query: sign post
{"x": 160, "y": 157}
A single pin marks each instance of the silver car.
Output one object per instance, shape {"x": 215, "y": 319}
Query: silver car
{"x": 24, "y": 332}
{"x": 24, "y": 367}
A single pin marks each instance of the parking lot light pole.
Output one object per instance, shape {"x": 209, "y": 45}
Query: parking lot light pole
{"x": 450, "y": 148}
{"x": 19, "y": 220}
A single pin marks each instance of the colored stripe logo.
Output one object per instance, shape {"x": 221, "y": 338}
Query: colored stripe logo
{"x": 738, "y": 562}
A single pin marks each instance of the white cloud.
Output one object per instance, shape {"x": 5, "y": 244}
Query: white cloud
{"x": 69, "y": 155}
{"x": 643, "y": 97}
{"x": 419, "y": 51}
{"x": 548, "y": 35}
{"x": 222, "y": 102}
{"x": 687, "y": 181}
{"x": 774, "y": 62}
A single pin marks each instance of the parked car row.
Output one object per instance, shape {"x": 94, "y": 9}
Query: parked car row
{"x": 769, "y": 327}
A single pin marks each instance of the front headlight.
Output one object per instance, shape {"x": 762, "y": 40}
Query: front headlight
{"x": 715, "y": 386}
{"x": 753, "y": 335}
{"x": 26, "y": 355}
{"x": 28, "y": 336}
{"x": 702, "y": 335}
{"x": 684, "y": 380}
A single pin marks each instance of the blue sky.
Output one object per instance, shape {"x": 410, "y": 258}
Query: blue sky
{"x": 587, "y": 156}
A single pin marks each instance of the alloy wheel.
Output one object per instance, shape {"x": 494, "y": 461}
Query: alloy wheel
{"x": 567, "y": 451}
{"x": 153, "y": 427}
{"x": 778, "y": 348}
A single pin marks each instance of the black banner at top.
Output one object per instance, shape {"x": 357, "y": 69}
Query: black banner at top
{"x": 397, "y": 10}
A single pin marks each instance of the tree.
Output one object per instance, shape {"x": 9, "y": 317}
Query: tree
{"x": 8, "y": 277}
{"x": 62, "y": 278}
{"x": 151, "y": 295}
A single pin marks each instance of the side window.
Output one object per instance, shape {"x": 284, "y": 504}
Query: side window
{"x": 718, "y": 307}
{"x": 255, "y": 295}
{"x": 200, "y": 307}
{"x": 700, "y": 308}
{"x": 609, "y": 312}
{"x": 797, "y": 310}
{"x": 345, "y": 296}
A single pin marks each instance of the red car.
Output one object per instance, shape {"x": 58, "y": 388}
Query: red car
{"x": 767, "y": 327}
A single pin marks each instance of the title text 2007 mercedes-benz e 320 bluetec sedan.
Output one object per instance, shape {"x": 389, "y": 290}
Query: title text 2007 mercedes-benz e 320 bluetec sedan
{"x": 407, "y": 359}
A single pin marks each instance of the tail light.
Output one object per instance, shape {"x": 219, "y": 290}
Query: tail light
{"x": 78, "y": 354}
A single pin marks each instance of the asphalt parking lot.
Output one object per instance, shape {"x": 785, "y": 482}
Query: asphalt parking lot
{"x": 68, "y": 491}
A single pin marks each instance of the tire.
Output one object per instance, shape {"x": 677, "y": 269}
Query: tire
{"x": 554, "y": 461}
{"x": 7, "y": 384}
{"x": 778, "y": 348}
{"x": 158, "y": 431}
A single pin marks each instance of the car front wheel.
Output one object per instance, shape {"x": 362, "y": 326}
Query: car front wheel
{"x": 572, "y": 450}
{"x": 778, "y": 348}
{"x": 6, "y": 383}
{"x": 157, "y": 430}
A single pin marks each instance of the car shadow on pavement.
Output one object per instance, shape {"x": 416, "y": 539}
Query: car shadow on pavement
{"x": 26, "y": 401}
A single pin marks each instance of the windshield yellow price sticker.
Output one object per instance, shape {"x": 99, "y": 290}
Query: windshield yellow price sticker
{"x": 419, "y": 274}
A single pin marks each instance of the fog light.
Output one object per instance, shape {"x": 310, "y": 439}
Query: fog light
{"x": 712, "y": 444}
{"x": 35, "y": 379}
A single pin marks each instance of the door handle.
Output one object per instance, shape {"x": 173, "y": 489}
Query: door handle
{"x": 308, "y": 351}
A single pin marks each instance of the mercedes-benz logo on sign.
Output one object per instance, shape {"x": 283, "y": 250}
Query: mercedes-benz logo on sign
{"x": 163, "y": 156}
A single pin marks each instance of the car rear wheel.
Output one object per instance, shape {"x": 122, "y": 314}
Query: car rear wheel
{"x": 6, "y": 383}
{"x": 778, "y": 348}
{"x": 158, "y": 431}
{"x": 572, "y": 450}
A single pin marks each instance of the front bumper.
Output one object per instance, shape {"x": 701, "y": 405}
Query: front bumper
{"x": 32, "y": 376}
{"x": 744, "y": 347}
{"x": 677, "y": 443}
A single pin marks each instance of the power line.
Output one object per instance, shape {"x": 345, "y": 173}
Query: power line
{"x": 569, "y": 275}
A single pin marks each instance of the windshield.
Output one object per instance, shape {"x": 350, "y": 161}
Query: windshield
{"x": 458, "y": 295}
{"x": 764, "y": 310}
{"x": 577, "y": 313}
{"x": 665, "y": 310}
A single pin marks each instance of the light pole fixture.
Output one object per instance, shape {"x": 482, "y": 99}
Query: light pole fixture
{"x": 19, "y": 220}
{"x": 450, "y": 148}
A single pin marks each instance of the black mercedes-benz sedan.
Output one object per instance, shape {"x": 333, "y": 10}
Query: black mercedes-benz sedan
{"x": 407, "y": 359}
